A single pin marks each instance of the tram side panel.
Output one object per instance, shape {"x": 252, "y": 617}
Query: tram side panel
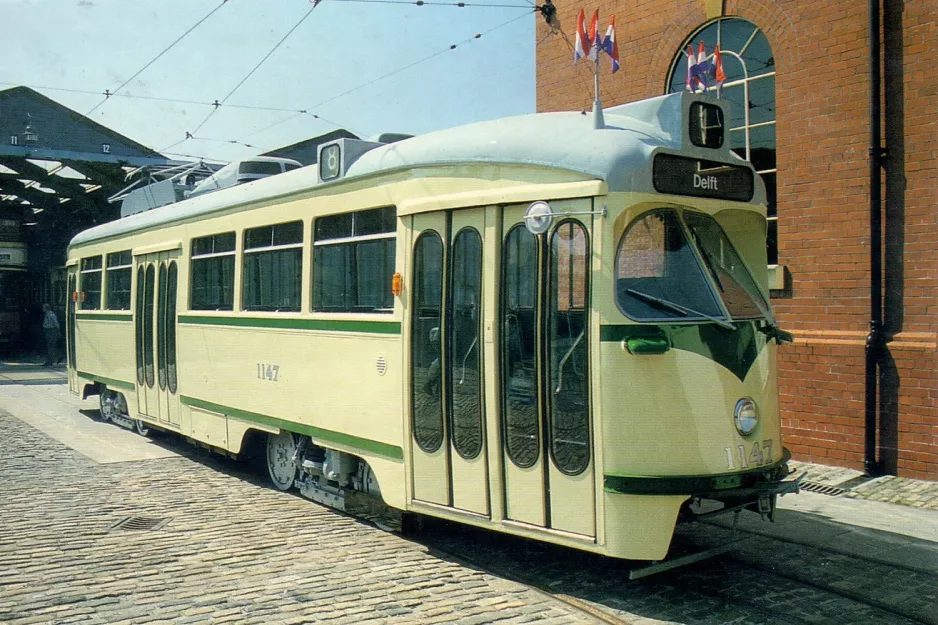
{"x": 104, "y": 351}
{"x": 341, "y": 388}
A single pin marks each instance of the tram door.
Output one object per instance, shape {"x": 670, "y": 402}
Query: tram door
{"x": 544, "y": 371}
{"x": 156, "y": 277}
{"x": 447, "y": 348}
{"x": 70, "y": 306}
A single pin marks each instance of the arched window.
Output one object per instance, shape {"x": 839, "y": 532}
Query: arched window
{"x": 750, "y": 87}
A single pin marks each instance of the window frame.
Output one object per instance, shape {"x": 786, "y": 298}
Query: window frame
{"x": 194, "y": 263}
{"x": 86, "y": 273}
{"x": 109, "y": 273}
{"x": 272, "y": 249}
{"x": 352, "y": 242}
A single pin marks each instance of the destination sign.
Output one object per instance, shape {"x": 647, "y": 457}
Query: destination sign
{"x": 680, "y": 175}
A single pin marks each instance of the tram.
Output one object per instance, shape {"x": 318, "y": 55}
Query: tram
{"x": 13, "y": 292}
{"x": 552, "y": 325}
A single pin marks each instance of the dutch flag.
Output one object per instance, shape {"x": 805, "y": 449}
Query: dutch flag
{"x": 610, "y": 46}
{"x": 580, "y": 49}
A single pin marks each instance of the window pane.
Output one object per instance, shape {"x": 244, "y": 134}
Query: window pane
{"x": 426, "y": 346}
{"x": 373, "y": 277}
{"x": 91, "y": 289}
{"x": 658, "y": 276}
{"x": 119, "y": 259}
{"x": 214, "y": 244}
{"x": 736, "y": 96}
{"x": 762, "y": 147}
{"x": 171, "y": 328}
{"x": 289, "y": 233}
{"x": 118, "y": 288}
{"x": 332, "y": 277}
{"x": 212, "y": 283}
{"x": 148, "y": 325}
{"x": 334, "y": 227}
{"x": 258, "y": 237}
{"x": 466, "y": 330}
{"x": 569, "y": 382}
{"x": 272, "y": 280}
{"x": 375, "y": 221}
{"x": 139, "y": 322}
{"x": 736, "y": 287}
{"x": 734, "y": 33}
{"x": 519, "y": 365}
{"x": 758, "y": 56}
{"x": 770, "y": 192}
{"x": 762, "y": 100}
{"x": 259, "y": 167}
{"x": 161, "y": 330}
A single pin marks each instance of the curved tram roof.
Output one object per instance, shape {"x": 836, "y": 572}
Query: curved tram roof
{"x": 619, "y": 154}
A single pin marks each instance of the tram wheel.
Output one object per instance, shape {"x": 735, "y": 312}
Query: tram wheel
{"x": 280, "y": 467}
{"x": 141, "y": 428}
{"x": 106, "y": 401}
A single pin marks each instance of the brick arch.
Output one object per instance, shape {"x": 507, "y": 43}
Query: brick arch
{"x": 768, "y": 15}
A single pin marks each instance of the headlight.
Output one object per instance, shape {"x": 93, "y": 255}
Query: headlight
{"x": 746, "y": 416}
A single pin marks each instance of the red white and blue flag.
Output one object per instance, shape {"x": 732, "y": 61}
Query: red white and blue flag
{"x": 580, "y": 47}
{"x": 595, "y": 41}
{"x": 610, "y": 46}
{"x": 718, "y": 73}
{"x": 691, "y": 64}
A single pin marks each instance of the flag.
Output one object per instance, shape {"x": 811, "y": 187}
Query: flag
{"x": 703, "y": 67}
{"x": 580, "y": 48}
{"x": 691, "y": 63}
{"x": 595, "y": 42}
{"x": 718, "y": 73}
{"x": 610, "y": 46}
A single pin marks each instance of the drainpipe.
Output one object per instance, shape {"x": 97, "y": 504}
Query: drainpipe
{"x": 876, "y": 338}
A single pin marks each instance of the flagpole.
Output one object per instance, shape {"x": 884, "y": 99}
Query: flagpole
{"x": 598, "y": 121}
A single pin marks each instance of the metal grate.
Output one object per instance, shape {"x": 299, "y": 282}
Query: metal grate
{"x": 139, "y": 523}
{"x": 822, "y": 489}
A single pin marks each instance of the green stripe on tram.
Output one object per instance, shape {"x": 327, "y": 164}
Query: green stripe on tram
{"x": 108, "y": 381}
{"x": 364, "y": 444}
{"x": 327, "y": 325}
{"x": 105, "y": 316}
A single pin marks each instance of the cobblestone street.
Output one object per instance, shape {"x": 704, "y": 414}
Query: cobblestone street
{"x": 214, "y": 545}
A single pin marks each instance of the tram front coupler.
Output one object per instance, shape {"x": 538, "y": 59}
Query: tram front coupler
{"x": 760, "y": 498}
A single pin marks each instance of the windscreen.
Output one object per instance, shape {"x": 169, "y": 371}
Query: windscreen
{"x": 658, "y": 275}
{"x": 735, "y": 284}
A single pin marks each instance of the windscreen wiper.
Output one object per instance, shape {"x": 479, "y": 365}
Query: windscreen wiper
{"x": 678, "y": 308}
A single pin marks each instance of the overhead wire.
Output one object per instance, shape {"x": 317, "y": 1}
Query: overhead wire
{"x": 423, "y": 60}
{"x": 218, "y": 104}
{"x": 108, "y": 93}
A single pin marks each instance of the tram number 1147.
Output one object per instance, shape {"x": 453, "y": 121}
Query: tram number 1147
{"x": 268, "y": 372}
{"x": 761, "y": 454}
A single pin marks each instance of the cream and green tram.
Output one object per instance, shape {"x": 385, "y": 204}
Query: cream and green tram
{"x": 548, "y": 325}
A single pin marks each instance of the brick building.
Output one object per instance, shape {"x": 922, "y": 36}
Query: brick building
{"x": 800, "y": 79}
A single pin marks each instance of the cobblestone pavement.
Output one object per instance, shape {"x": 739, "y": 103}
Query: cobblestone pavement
{"x": 228, "y": 550}
{"x": 888, "y": 488}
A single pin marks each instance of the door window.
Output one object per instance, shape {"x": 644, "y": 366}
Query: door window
{"x": 519, "y": 343}
{"x": 465, "y": 343}
{"x": 569, "y": 380}
{"x": 426, "y": 342}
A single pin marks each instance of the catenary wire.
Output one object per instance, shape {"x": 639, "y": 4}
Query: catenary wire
{"x": 251, "y": 73}
{"x": 107, "y": 95}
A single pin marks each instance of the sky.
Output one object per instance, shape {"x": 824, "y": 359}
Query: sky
{"x": 368, "y": 66}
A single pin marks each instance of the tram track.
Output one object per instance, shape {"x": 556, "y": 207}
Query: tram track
{"x": 773, "y": 593}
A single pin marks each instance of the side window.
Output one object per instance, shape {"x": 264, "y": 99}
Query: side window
{"x": 119, "y": 273}
{"x": 213, "y": 265}
{"x": 353, "y": 261}
{"x": 91, "y": 283}
{"x": 272, "y": 267}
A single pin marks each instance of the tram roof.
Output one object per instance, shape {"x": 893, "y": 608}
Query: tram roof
{"x": 619, "y": 153}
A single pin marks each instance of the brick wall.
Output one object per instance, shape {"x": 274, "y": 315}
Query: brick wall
{"x": 821, "y": 58}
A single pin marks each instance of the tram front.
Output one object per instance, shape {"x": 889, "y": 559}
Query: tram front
{"x": 688, "y": 377}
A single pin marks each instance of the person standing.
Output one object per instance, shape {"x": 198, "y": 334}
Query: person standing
{"x": 50, "y": 327}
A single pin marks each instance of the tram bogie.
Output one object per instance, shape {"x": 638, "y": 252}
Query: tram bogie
{"x": 530, "y": 325}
